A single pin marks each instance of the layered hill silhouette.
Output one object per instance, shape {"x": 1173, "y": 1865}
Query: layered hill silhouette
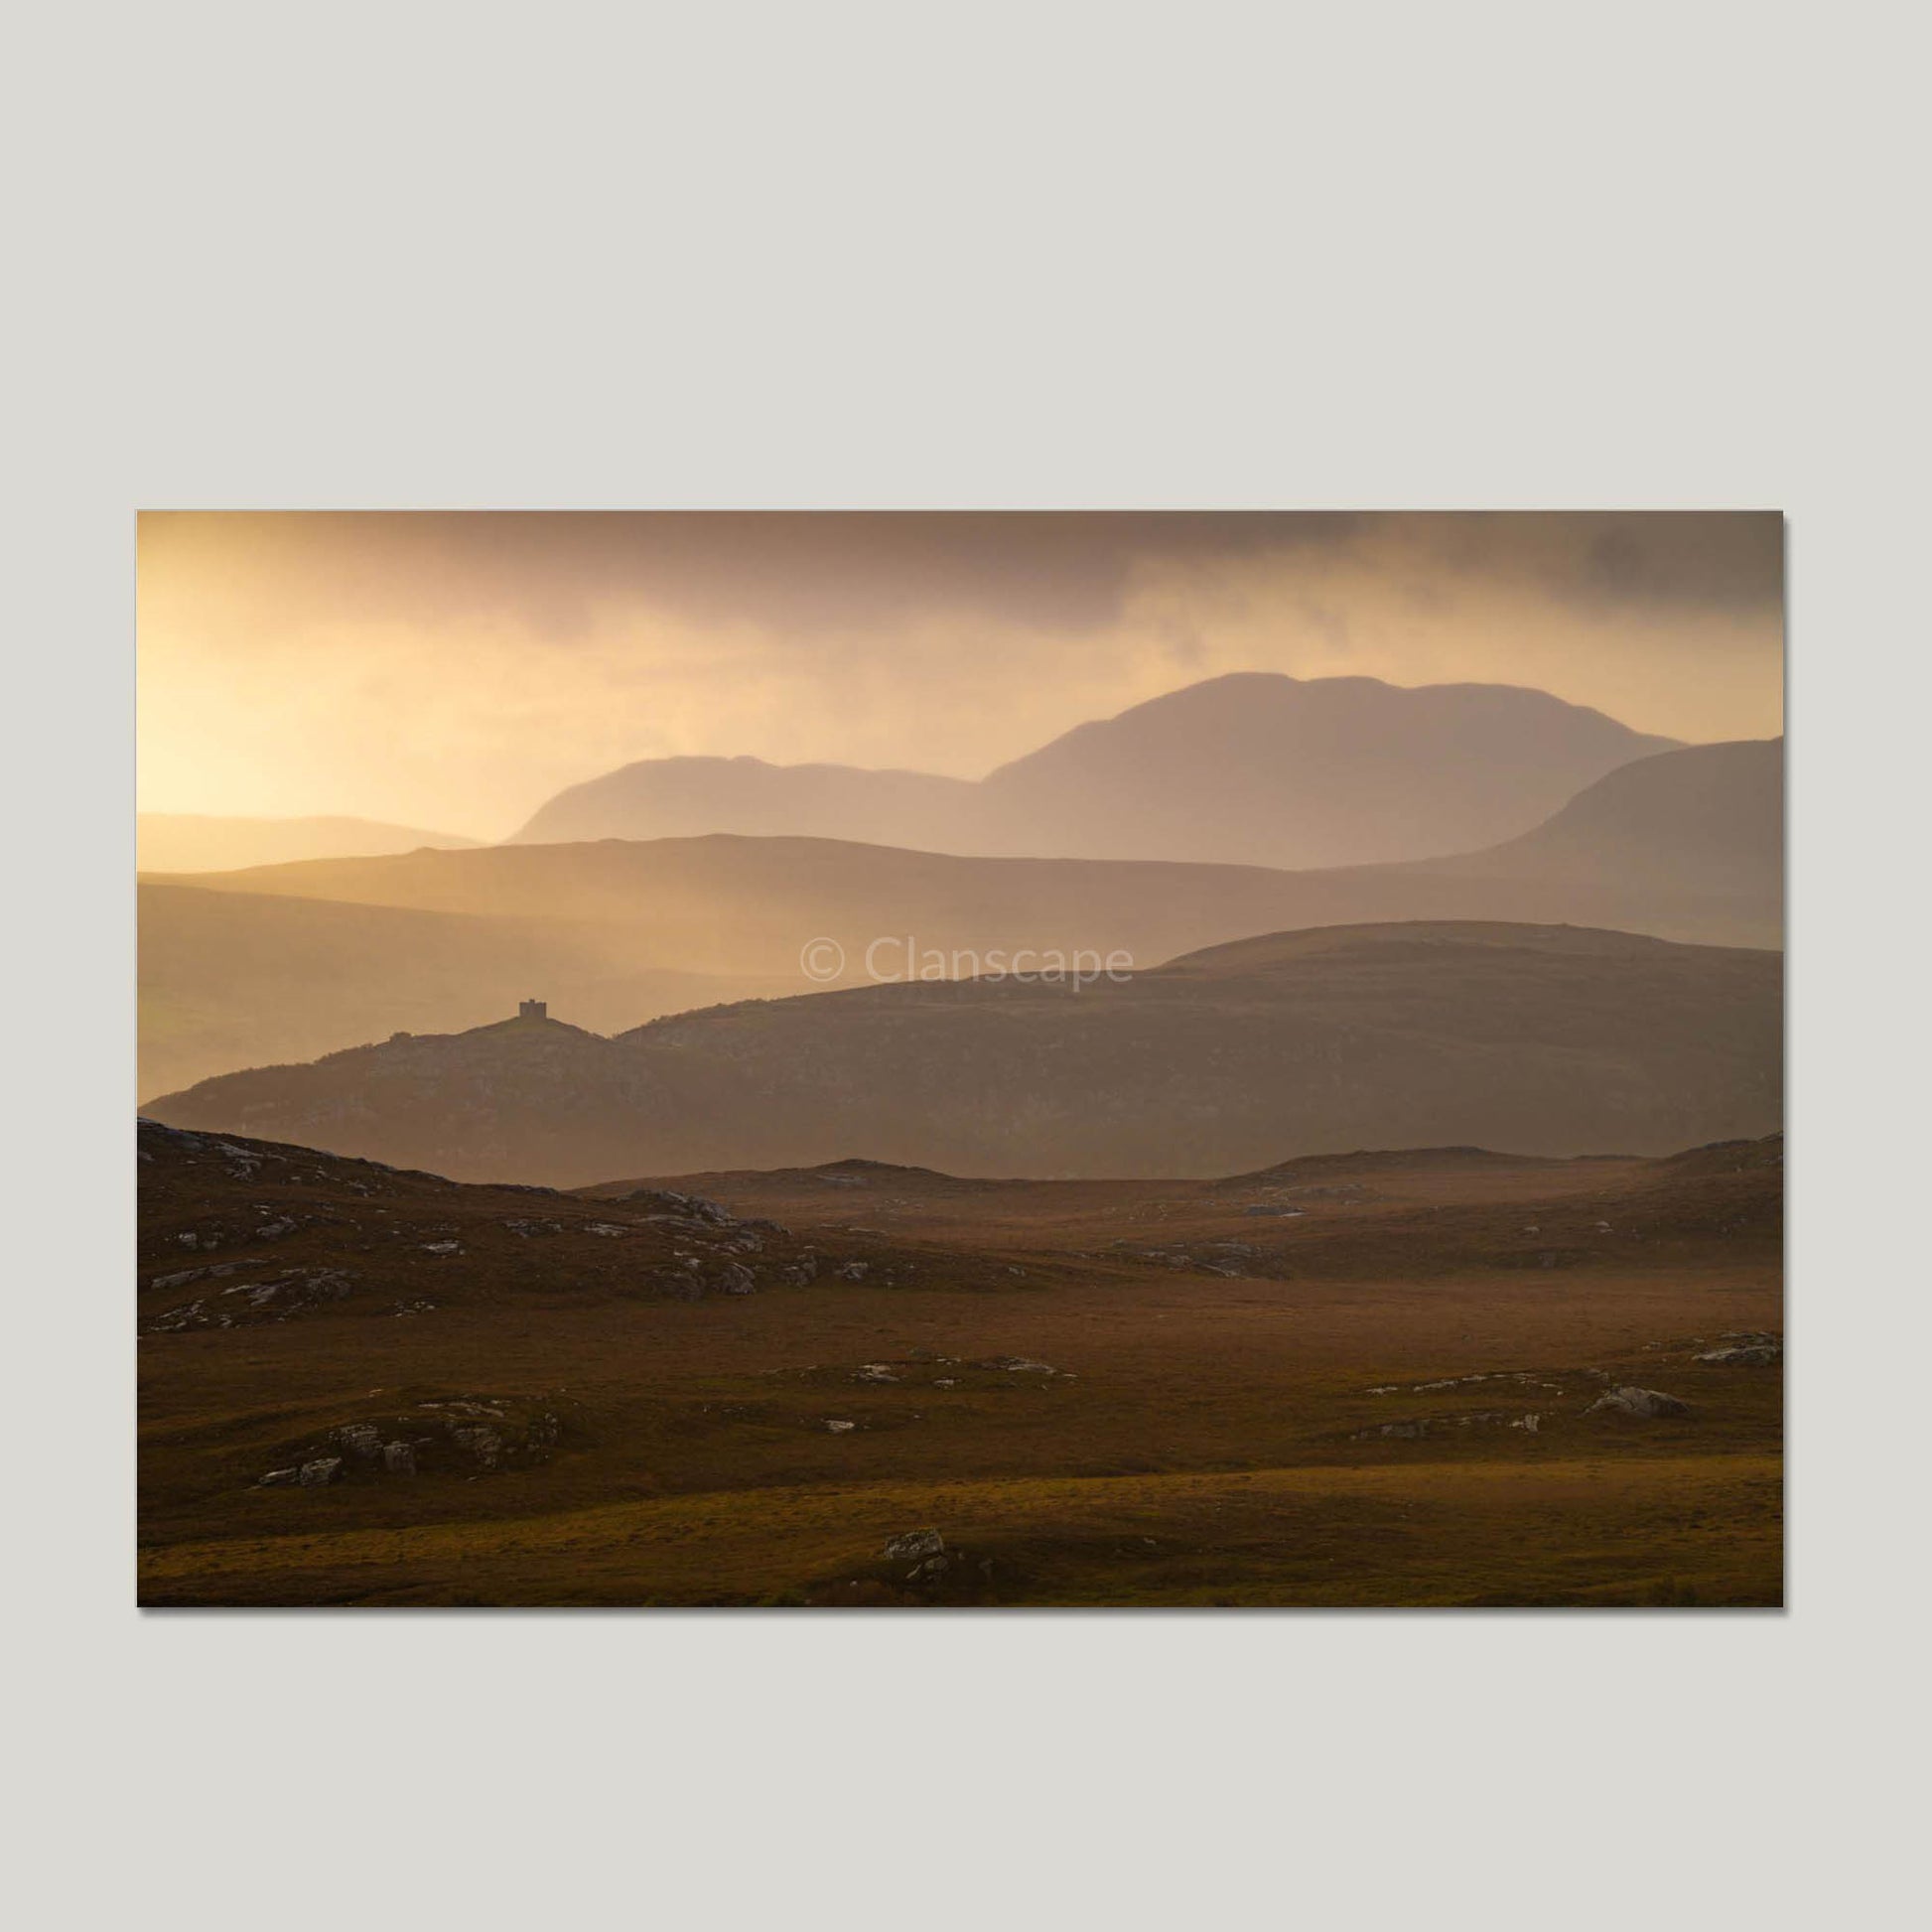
{"x": 237, "y": 979}
{"x": 1251, "y": 768}
{"x": 190, "y": 842}
{"x": 1537, "y": 1039}
{"x": 1685, "y": 845}
{"x": 1708, "y": 818}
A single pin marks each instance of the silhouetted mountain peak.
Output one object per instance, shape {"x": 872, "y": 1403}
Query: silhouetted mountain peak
{"x": 1251, "y": 767}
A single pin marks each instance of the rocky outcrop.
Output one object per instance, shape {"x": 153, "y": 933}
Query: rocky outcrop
{"x": 294, "y": 1291}
{"x": 1744, "y": 1352}
{"x": 1413, "y": 1429}
{"x": 464, "y": 1436}
{"x": 1649, "y": 1404}
{"x": 386, "y": 1234}
{"x": 938, "y": 1572}
{"x": 668, "y": 1203}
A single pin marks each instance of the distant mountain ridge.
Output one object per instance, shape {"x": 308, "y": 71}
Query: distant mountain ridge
{"x": 1713, "y": 815}
{"x": 288, "y": 962}
{"x": 1251, "y": 768}
{"x": 1537, "y": 1039}
{"x": 198, "y": 842}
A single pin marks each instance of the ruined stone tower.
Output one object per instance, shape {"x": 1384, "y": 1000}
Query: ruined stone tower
{"x": 533, "y": 1009}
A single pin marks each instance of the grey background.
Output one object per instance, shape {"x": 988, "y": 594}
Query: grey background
{"x": 1041, "y": 256}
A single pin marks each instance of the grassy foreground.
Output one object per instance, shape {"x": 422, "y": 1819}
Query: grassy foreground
{"x": 1366, "y": 1381}
{"x": 1676, "y": 1530}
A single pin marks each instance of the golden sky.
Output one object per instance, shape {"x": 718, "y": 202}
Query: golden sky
{"x": 452, "y": 671}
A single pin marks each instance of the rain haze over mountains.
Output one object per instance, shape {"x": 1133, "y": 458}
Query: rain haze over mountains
{"x": 459, "y": 671}
{"x": 659, "y": 754}
{"x": 974, "y": 1061}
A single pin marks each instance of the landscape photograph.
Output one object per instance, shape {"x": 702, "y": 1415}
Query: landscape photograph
{"x": 965, "y": 1062}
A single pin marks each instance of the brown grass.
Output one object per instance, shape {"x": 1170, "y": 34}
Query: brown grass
{"x": 1199, "y": 1446}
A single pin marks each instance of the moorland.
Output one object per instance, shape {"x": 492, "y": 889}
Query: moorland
{"x": 1357, "y": 1380}
{"x": 1399, "y": 1226}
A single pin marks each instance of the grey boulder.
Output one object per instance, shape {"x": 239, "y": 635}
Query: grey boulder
{"x": 915, "y": 1546}
{"x": 1647, "y": 1403}
{"x": 1756, "y": 1354}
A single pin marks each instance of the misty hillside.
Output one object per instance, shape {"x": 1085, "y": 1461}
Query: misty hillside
{"x": 1669, "y": 829}
{"x": 1266, "y": 770}
{"x": 1706, "y": 819}
{"x": 1252, "y": 768}
{"x": 1533, "y": 1040}
{"x": 1685, "y": 845}
{"x": 687, "y": 797}
{"x": 189, "y": 842}
{"x": 235, "y": 979}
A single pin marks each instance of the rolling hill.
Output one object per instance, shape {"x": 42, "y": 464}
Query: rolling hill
{"x": 688, "y": 797}
{"x": 241, "y": 979}
{"x": 1705, "y": 820}
{"x": 1533, "y": 1039}
{"x": 1252, "y": 768}
{"x": 285, "y": 962}
{"x": 187, "y": 842}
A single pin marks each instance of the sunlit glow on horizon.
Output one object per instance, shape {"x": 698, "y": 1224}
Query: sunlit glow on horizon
{"x": 453, "y": 675}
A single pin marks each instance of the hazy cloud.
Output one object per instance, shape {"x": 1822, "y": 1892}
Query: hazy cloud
{"x": 454, "y": 669}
